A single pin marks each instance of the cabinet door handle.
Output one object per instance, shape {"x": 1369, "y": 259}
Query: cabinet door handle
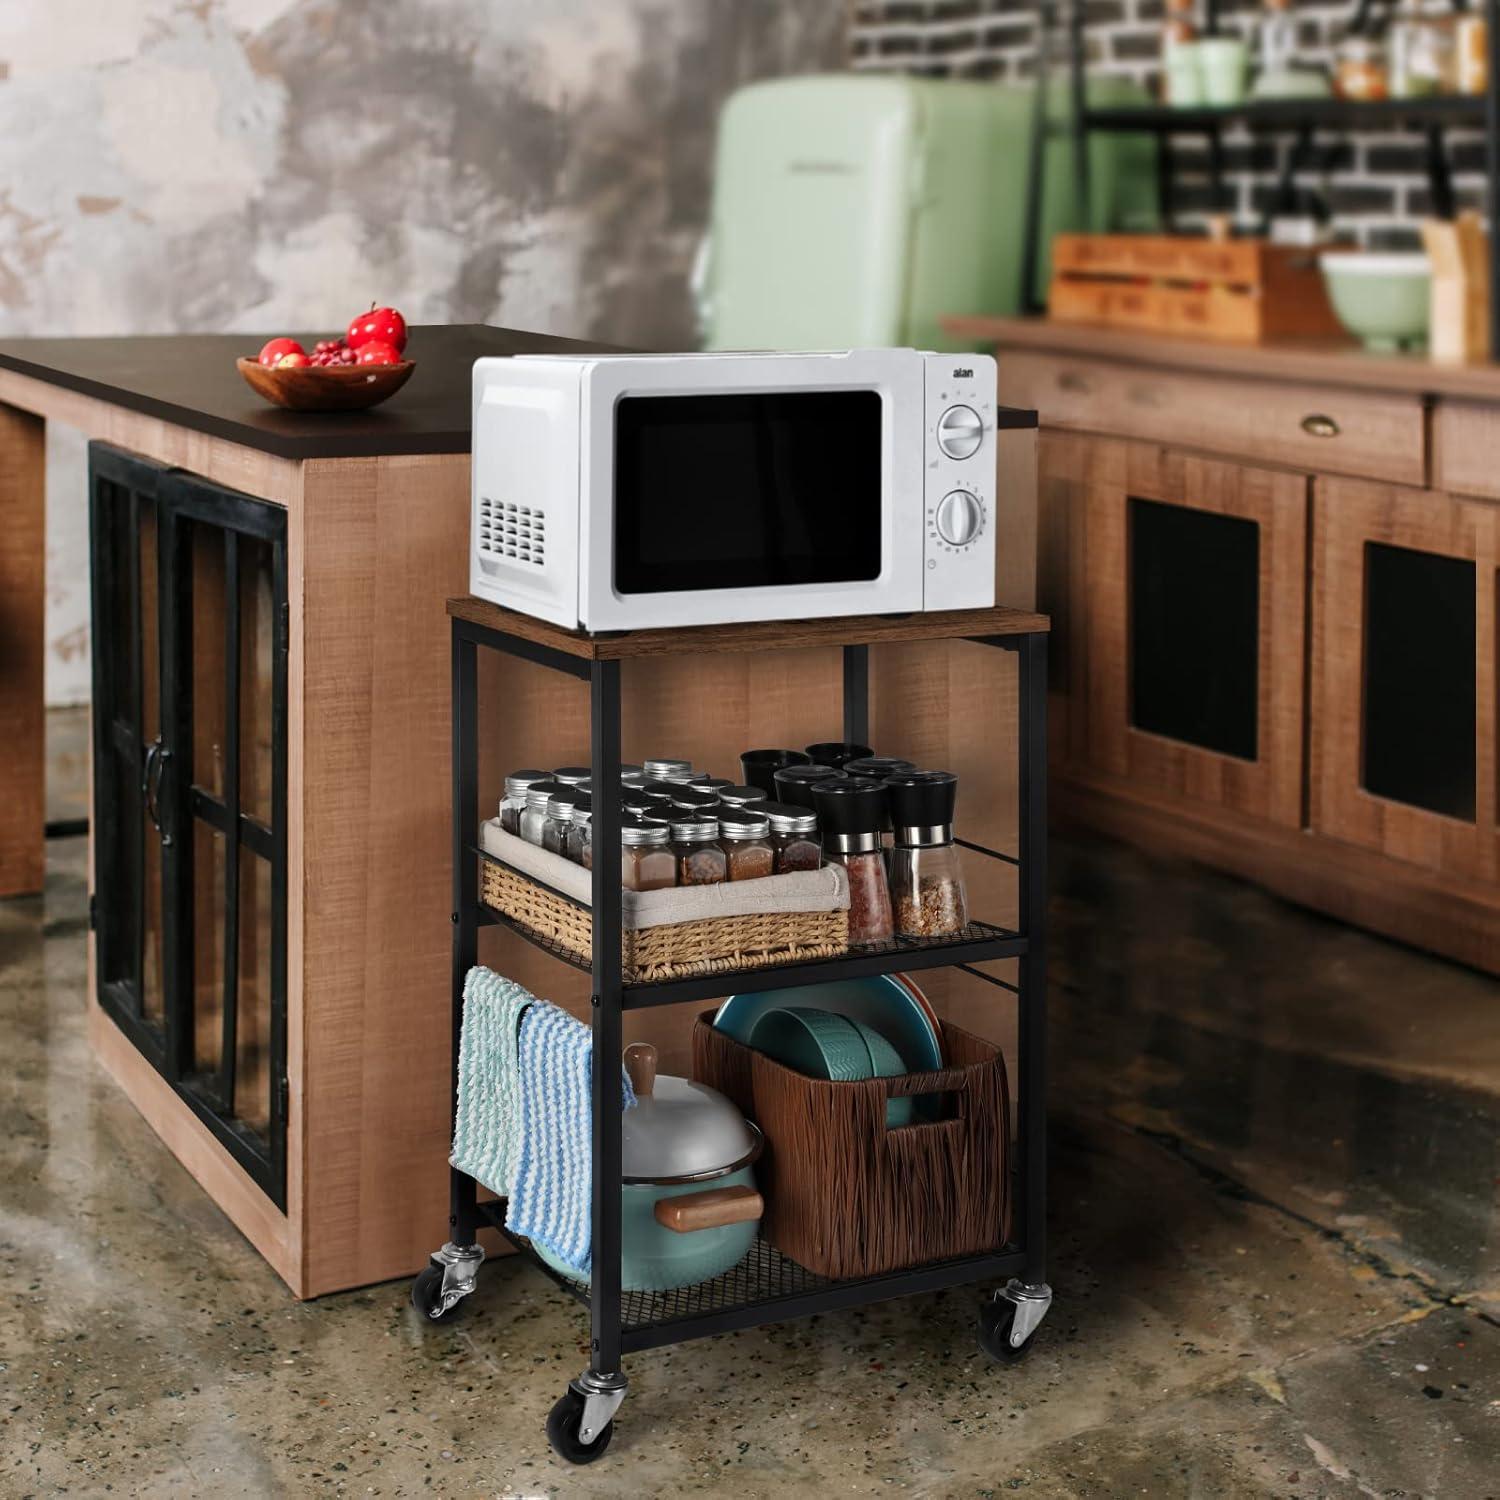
{"x": 157, "y": 755}
{"x": 1315, "y": 424}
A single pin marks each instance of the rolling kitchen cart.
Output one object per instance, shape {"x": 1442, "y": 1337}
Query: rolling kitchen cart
{"x": 766, "y": 1286}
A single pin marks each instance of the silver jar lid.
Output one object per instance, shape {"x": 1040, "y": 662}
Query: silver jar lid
{"x": 583, "y": 811}
{"x": 631, "y": 775}
{"x": 518, "y": 781}
{"x": 539, "y": 793}
{"x": 561, "y": 803}
{"x": 741, "y": 796}
{"x": 668, "y": 770}
{"x": 787, "y": 817}
{"x": 695, "y": 830}
{"x": 714, "y": 784}
{"x": 743, "y": 823}
{"x": 637, "y": 832}
{"x": 680, "y": 1131}
{"x": 572, "y": 775}
{"x": 694, "y": 799}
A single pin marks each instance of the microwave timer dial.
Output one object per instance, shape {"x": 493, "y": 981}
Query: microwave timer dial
{"x": 959, "y": 518}
{"x": 960, "y": 432}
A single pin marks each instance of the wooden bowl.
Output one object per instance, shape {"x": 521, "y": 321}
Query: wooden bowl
{"x": 326, "y": 388}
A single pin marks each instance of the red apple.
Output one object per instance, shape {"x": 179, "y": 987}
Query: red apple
{"x": 272, "y": 352}
{"x": 377, "y": 352}
{"x": 296, "y": 360}
{"x": 381, "y": 324}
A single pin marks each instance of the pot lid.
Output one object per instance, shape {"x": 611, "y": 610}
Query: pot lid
{"x": 678, "y": 1128}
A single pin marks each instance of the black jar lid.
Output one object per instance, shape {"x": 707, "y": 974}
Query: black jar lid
{"x": 658, "y": 790}
{"x": 694, "y": 799}
{"x": 879, "y": 766}
{"x": 923, "y": 799}
{"x": 836, "y": 753}
{"x": 538, "y": 793}
{"x": 788, "y": 817}
{"x": 795, "y": 783}
{"x": 571, "y": 775}
{"x": 851, "y": 804}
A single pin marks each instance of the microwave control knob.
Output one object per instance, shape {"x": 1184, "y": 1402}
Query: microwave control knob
{"x": 959, "y": 517}
{"x": 960, "y": 432}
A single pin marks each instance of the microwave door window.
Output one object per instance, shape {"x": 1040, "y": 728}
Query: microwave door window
{"x": 747, "y": 491}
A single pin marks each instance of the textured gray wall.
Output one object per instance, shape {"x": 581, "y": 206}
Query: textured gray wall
{"x": 191, "y": 165}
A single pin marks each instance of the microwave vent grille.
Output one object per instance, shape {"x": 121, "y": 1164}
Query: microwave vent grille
{"x": 515, "y": 532}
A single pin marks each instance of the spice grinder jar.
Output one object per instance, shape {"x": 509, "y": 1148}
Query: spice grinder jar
{"x": 928, "y": 895}
{"x": 852, "y": 811}
{"x": 795, "y": 783}
{"x": 759, "y": 766}
{"x": 836, "y": 753}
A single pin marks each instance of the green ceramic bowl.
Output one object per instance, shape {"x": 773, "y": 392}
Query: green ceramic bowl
{"x": 1381, "y": 299}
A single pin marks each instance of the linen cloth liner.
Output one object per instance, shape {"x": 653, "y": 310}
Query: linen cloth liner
{"x": 802, "y": 890}
{"x": 487, "y": 1114}
{"x": 551, "y": 1202}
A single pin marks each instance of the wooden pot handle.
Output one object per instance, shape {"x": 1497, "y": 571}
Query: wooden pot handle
{"x": 640, "y": 1065}
{"x": 710, "y": 1209}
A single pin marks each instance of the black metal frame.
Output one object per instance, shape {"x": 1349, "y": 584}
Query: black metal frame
{"x": 166, "y": 789}
{"x": 775, "y": 1289}
{"x": 1433, "y": 115}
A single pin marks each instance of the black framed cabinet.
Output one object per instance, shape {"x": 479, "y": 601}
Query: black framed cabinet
{"x": 190, "y": 642}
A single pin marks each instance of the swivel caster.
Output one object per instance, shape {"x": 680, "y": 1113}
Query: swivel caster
{"x": 446, "y": 1280}
{"x": 582, "y": 1422}
{"x": 1008, "y": 1323}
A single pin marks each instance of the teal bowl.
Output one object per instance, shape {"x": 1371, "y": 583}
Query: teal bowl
{"x": 886, "y": 1063}
{"x": 815, "y": 1042}
{"x": 1382, "y": 299}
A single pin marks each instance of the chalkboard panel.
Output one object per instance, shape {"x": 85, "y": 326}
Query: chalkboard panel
{"x": 1194, "y": 626}
{"x": 1419, "y": 709}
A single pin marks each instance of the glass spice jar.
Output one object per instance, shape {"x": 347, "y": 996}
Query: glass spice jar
{"x": 515, "y": 798}
{"x": 647, "y": 862}
{"x": 741, "y": 796}
{"x": 559, "y": 818}
{"x": 534, "y": 814}
{"x": 927, "y": 881}
{"x": 794, "y": 836}
{"x": 572, "y": 776}
{"x": 700, "y": 860}
{"x": 851, "y": 811}
{"x": 668, "y": 770}
{"x": 657, "y": 790}
{"x": 578, "y": 841}
{"x": 695, "y": 800}
{"x": 745, "y": 838}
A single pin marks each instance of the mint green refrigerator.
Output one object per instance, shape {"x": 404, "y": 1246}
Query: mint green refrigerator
{"x": 856, "y": 210}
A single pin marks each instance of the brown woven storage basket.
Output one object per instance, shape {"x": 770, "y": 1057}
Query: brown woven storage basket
{"x": 681, "y": 950}
{"x": 845, "y": 1196}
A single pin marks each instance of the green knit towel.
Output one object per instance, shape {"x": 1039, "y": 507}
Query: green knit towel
{"x": 487, "y": 1119}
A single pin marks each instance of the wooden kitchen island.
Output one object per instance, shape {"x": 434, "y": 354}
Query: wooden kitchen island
{"x": 1272, "y": 573}
{"x": 270, "y": 830}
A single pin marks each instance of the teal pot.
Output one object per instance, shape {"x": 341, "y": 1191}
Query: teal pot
{"x": 689, "y": 1208}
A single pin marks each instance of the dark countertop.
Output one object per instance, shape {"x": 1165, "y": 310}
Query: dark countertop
{"x": 190, "y": 379}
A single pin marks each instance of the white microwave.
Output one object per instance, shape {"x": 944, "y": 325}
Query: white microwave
{"x": 620, "y": 492}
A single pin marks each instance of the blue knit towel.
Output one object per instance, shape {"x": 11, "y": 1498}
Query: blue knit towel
{"x": 551, "y": 1202}
{"x": 487, "y": 1115}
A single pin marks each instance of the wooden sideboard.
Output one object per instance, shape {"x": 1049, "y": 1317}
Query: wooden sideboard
{"x": 1273, "y": 578}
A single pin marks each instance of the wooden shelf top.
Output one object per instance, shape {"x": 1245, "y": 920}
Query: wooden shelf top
{"x": 1338, "y": 364}
{"x": 761, "y": 635}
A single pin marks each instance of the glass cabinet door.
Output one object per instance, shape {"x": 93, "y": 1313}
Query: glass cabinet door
{"x": 190, "y": 793}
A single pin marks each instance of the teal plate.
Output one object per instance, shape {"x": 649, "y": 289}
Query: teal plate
{"x": 882, "y": 1003}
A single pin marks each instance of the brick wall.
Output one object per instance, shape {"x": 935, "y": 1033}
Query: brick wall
{"x": 1375, "y": 183}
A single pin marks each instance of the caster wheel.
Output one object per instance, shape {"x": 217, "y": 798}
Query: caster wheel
{"x": 427, "y": 1294}
{"x": 563, "y": 1422}
{"x": 995, "y": 1322}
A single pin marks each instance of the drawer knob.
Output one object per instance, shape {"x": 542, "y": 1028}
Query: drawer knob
{"x": 1317, "y": 425}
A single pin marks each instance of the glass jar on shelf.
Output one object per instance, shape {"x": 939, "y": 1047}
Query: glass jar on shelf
{"x": 1359, "y": 70}
{"x": 927, "y": 881}
{"x": 559, "y": 818}
{"x": 514, "y": 800}
{"x": 700, "y": 860}
{"x": 794, "y": 836}
{"x": 534, "y": 814}
{"x": 745, "y": 838}
{"x": 851, "y": 812}
{"x": 667, "y": 770}
{"x": 647, "y": 862}
{"x": 578, "y": 842}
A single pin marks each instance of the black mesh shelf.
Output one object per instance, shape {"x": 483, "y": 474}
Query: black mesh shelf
{"x": 765, "y": 1287}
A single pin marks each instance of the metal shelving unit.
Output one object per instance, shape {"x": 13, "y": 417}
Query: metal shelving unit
{"x": 766, "y": 1286}
{"x": 1434, "y": 115}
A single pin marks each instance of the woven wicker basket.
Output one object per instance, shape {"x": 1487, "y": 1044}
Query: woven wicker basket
{"x": 718, "y": 945}
{"x": 848, "y": 1196}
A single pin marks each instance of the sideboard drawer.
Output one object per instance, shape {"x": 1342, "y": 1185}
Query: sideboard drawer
{"x": 1370, "y": 434}
{"x": 1464, "y": 438}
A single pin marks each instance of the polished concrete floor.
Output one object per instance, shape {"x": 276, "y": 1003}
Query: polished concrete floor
{"x": 1276, "y": 1263}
